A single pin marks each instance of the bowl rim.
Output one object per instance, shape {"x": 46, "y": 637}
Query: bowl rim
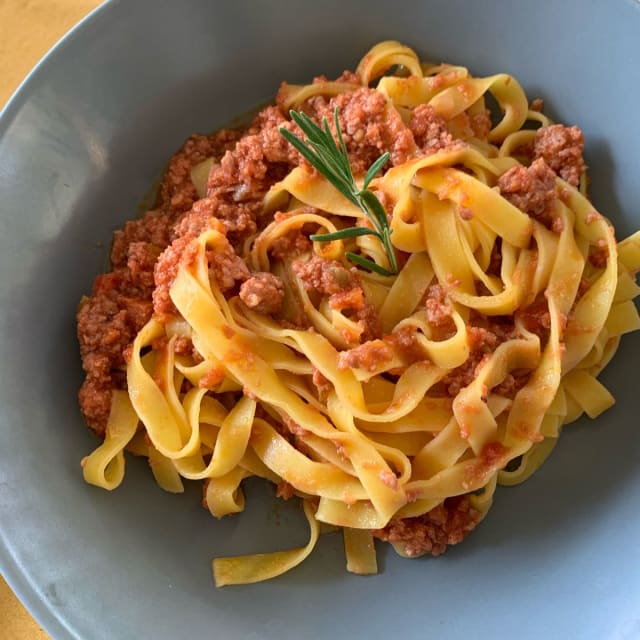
{"x": 19, "y": 95}
{"x": 11, "y": 569}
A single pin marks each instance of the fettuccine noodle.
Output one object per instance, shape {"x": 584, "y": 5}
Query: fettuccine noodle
{"x": 392, "y": 406}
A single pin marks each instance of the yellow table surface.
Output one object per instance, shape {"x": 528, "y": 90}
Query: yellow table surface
{"x": 28, "y": 29}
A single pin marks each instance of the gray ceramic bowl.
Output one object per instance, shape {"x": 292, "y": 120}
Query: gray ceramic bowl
{"x": 81, "y": 143}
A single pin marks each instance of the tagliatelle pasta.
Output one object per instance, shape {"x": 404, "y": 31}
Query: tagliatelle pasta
{"x": 391, "y": 405}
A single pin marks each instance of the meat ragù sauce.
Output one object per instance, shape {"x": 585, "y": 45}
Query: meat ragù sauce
{"x": 146, "y": 254}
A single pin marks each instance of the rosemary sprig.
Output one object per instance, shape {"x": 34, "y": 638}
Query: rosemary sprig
{"x": 332, "y": 161}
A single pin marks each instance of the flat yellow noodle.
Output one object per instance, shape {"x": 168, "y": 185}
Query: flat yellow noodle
{"x": 384, "y": 55}
{"x": 230, "y": 446}
{"x": 531, "y": 461}
{"x": 623, "y": 318}
{"x": 293, "y": 95}
{"x": 164, "y": 471}
{"x": 588, "y": 392}
{"x": 629, "y": 252}
{"x": 507, "y": 91}
{"x": 104, "y": 467}
{"x": 627, "y": 288}
{"x": 486, "y": 204}
{"x": 224, "y": 495}
{"x": 264, "y": 566}
{"x": 314, "y": 191}
{"x": 360, "y": 550}
{"x": 414, "y": 90}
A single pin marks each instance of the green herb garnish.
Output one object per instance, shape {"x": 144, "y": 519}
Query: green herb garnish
{"x": 332, "y": 161}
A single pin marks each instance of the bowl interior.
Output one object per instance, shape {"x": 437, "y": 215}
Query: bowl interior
{"x": 80, "y": 146}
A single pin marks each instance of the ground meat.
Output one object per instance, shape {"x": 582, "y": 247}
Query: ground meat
{"x": 349, "y": 76}
{"x": 226, "y": 268}
{"x": 369, "y": 321}
{"x": 429, "y": 129}
{"x": 561, "y": 148}
{"x": 404, "y": 341}
{"x": 495, "y": 262}
{"x": 107, "y": 323}
{"x": 462, "y": 376}
{"x": 154, "y": 228}
{"x": 446, "y": 524}
{"x": 260, "y": 158}
{"x": 536, "y": 318}
{"x": 531, "y": 189}
{"x": 481, "y": 340}
{"x": 147, "y": 252}
{"x": 263, "y": 293}
{"x": 438, "y": 306}
{"x": 235, "y": 190}
{"x": 95, "y": 398}
{"x": 327, "y": 277}
{"x": 481, "y": 124}
{"x": 368, "y": 356}
{"x": 512, "y": 383}
{"x": 330, "y": 278}
{"x": 348, "y": 299}
{"x": 167, "y": 264}
{"x": 141, "y": 259}
{"x": 484, "y": 335}
{"x": 369, "y": 127}
{"x": 294, "y": 244}
{"x": 177, "y": 193}
{"x": 184, "y": 347}
{"x": 322, "y": 384}
{"x": 599, "y": 255}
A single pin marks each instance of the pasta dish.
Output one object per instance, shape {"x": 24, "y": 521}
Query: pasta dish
{"x": 386, "y": 295}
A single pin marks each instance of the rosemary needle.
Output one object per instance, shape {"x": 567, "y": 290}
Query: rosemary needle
{"x": 331, "y": 159}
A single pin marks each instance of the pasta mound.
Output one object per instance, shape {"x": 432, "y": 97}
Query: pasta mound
{"x": 225, "y": 343}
